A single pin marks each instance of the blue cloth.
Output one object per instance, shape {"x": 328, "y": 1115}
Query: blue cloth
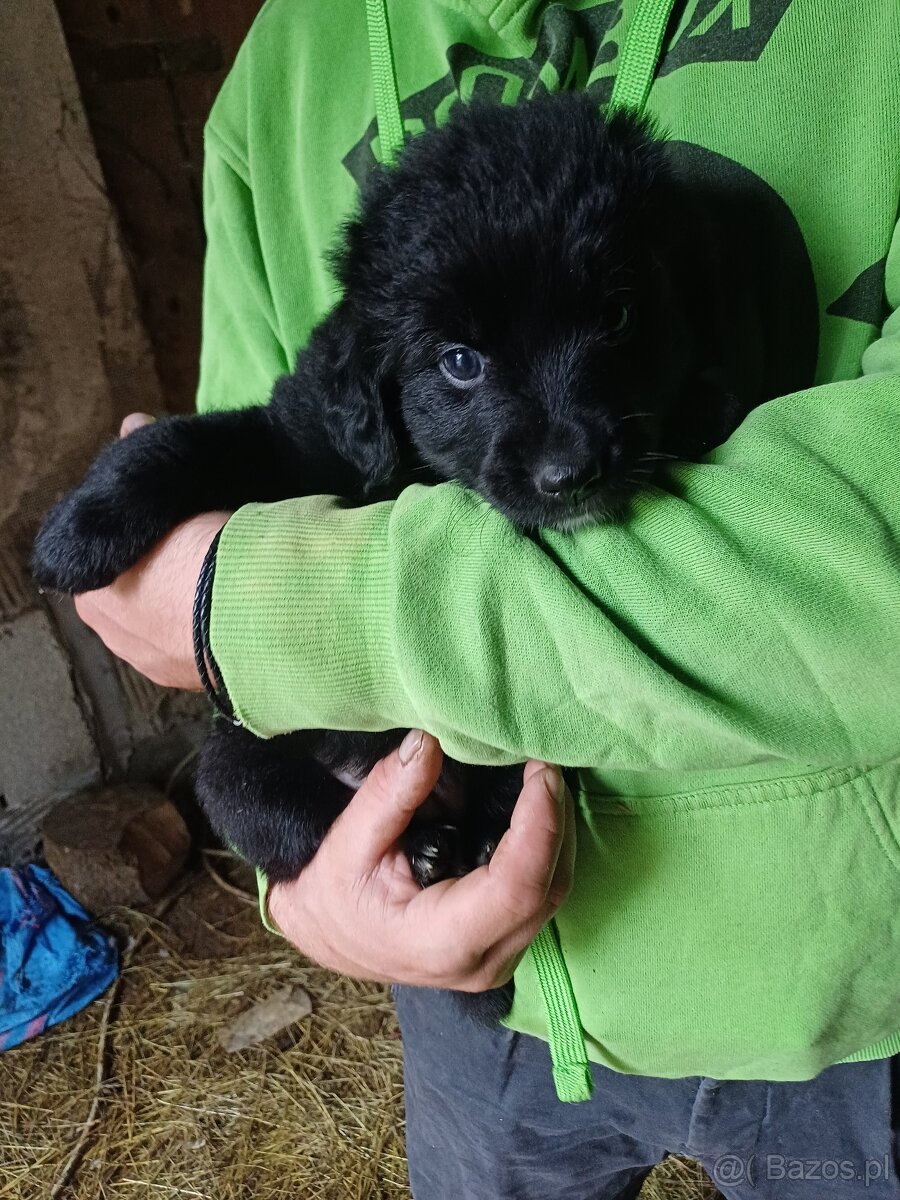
{"x": 53, "y": 959}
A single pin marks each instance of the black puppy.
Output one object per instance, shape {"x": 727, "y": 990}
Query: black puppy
{"x": 525, "y": 310}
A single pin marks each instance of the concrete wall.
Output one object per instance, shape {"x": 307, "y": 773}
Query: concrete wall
{"x": 73, "y": 360}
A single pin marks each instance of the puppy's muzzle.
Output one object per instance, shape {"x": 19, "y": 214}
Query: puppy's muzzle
{"x": 568, "y": 482}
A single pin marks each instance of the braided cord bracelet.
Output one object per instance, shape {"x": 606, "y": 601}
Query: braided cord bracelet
{"x": 207, "y": 667}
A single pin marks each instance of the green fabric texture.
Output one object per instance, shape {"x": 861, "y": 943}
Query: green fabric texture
{"x": 725, "y": 667}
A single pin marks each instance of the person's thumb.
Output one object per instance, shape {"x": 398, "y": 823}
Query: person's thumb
{"x": 381, "y": 810}
{"x": 134, "y": 421}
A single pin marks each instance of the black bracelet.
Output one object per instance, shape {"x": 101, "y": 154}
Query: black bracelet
{"x": 207, "y": 667}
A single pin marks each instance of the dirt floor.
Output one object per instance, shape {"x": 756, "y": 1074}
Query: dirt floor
{"x": 136, "y": 1097}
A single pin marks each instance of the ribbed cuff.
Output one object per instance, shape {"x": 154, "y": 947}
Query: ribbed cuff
{"x": 262, "y": 888}
{"x": 301, "y": 617}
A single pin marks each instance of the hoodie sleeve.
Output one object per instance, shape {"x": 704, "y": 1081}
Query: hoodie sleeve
{"x": 749, "y": 611}
{"x": 241, "y": 354}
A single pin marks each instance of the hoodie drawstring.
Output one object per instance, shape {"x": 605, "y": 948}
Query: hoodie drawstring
{"x": 640, "y": 55}
{"x": 384, "y": 77}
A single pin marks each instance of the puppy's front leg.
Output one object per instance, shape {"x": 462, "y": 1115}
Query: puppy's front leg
{"x": 144, "y": 485}
{"x": 268, "y": 799}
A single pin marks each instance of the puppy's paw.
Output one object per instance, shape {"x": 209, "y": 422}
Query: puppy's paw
{"x": 434, "y": 853}
{"x": 86, "y": 541}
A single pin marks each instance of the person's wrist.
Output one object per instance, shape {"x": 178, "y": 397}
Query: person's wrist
{"x": 144, "y": 617}
{"x": 204, "y": 658}
{"x": 192, "y": 543}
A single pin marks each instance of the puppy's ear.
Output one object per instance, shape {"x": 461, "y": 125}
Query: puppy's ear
{"x": 355, "y": 391}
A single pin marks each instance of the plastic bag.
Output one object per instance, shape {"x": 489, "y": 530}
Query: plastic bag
{"x": 53, "y": 959}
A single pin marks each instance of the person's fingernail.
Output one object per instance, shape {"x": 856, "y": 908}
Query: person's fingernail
{"x": 410, "y": 746}
{"x": 556, "y": 785}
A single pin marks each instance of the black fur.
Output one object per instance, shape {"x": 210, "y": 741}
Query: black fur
{"x": 559, "y": 247}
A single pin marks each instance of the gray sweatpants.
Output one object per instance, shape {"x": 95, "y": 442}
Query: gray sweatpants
{"x": 483, "y": 1123}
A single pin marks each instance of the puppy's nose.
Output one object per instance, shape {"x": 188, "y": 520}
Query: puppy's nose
{"x": 567, "y": 482}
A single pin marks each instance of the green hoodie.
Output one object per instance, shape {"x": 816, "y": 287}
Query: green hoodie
{"x": 726, "y": 666}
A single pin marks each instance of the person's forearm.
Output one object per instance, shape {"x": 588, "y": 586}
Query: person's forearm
{"x": 751, "y": 612}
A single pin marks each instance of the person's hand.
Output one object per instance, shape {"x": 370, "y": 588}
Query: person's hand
{"x": 145, "y": 617}
{"x": 357, "y": 909}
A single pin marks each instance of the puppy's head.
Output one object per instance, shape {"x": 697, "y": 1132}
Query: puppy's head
{"x": 512, "y": 273}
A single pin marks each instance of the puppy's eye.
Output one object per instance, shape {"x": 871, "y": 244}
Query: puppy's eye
{"x": 623, "y": 319}
{"x": 617, "y": 317}
{"x": 462, "y": 366}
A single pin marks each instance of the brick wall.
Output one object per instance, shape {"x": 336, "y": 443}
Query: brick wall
{"x": 149, "y": 71}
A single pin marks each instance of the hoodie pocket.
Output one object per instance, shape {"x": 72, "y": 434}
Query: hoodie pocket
{"x": 748, "y": 931}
